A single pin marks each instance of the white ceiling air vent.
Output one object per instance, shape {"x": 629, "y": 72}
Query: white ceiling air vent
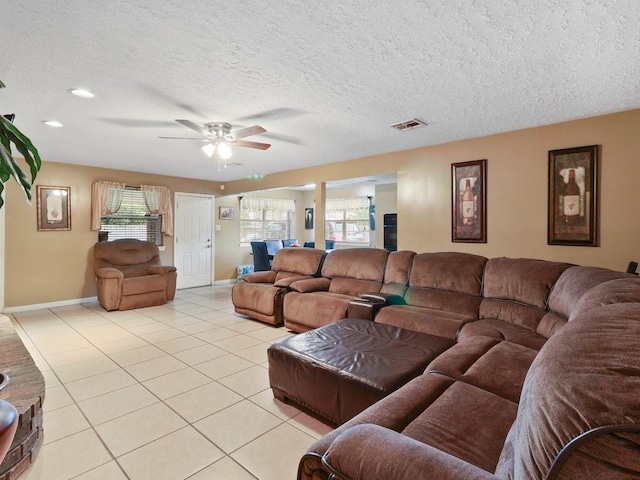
{"x": 409, "y": 125}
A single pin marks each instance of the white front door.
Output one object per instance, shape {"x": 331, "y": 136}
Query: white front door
{"x": 194, "y": 239}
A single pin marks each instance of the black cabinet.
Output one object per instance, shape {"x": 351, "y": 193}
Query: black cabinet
{"x": 390, "y": 231}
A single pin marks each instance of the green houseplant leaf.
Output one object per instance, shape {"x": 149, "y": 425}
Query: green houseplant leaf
{"x": 9, "y": 135}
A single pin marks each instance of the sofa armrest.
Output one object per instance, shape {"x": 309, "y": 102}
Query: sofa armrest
{"x": 311, "y": 285}
{"x": 384, "y": 453}
{"x": 161, "y": 270}
{"x": 268, "y": 276}
{"x": 109, "y": 273}
{"x": 385, "y": 298}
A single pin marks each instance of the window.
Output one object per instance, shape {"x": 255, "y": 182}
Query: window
{"x": 347, "y": 220}
{"x": 265, "y": 219}
{"x": 132, "y": 219}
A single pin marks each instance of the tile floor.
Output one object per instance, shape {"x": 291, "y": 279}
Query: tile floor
{"x": 175, "y": 392}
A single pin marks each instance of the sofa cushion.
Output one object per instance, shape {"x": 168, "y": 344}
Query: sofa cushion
{"x": 622, "y": 290}
{"x": 451, "y": 271}
{"x": 521, "y": 280}
{"x": 146, "y": 284}
{"x": 397, "y": 271}
{"x": 303, "y": 261}
{"x": 457, "y": 422}
{"x": 471, "y": 359}
{"x": 353, "y": 286}
{"x": 424, "y": 320}
{"x": 501, "y": 330}
{"x": 572, "y": 285}
{"x": 305, "y": 311}
{"x": 356, "y": 263}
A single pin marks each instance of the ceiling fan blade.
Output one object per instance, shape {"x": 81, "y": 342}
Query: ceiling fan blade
{"x": 199, "y": 139}
{"x": 258, "y": 145}
{"x": 245, "y": 132}
{"x": 194, "y": 126}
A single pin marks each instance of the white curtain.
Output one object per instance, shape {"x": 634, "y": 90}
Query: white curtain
{"x": 106, "y": 198}
{"x": 271, "y": 204}
{"x": 351, "y": 203}
{"x": 158, "y": 200}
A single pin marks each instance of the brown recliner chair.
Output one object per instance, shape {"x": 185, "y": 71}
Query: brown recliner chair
{"x": 129, "y": 275}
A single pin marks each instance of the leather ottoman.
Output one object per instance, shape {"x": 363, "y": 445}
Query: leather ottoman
{"x": 338, "y": 370}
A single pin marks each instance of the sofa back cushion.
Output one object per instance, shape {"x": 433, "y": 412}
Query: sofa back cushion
{"x": 303, "y": 261}
{"x": 354, "y": 271}
{"x": 397, "y": 271}
{"x": 618, "y": 290}
{"x": 449, "y": 281}
{"x": 516, "y": 290}
{"x": 132, "y": 257}
{"x": 574, "y": 282}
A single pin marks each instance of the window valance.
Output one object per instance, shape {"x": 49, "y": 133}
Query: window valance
{"x": 351, "y": 203}
{"x": 271, "y": 204}
{"x": 106, "y": 198}
{"x": 158, "y": 200}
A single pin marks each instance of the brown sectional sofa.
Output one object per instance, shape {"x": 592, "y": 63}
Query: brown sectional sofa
{"x": 542, "y": 381}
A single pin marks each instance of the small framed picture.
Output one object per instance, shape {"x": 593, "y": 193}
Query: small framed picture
{"x": 469, "y": 202}
{"x": 227, "y": 213}
{"x": 54, "y": 208}
{"x": 308, "y": 218}
{"x": 572, "y": 218}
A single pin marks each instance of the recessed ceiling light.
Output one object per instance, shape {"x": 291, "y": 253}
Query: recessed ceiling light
{"x": 79, "y": 92}
{"x": 52, "y": 123}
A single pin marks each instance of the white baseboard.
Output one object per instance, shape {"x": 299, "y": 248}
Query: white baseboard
{"x": 224, "y": 282}
{"x": 40, "y": 306}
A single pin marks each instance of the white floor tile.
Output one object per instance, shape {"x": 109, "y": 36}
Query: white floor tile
{"x": 114, "y": 404}
{"x": 203, "y": 401}
{"x": 274, "y": 455}
{"x": 237, "y": 425}
{"x": 138, "y": 428}
{"x": 190, "y": 452}
{"x": 175, "y": 383}
{"x": 68, "y": 457}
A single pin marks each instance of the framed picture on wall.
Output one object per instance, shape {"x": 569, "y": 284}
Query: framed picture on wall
{"x": 54, "y": 208}
{"x": 468, "y": 202}
{"x": 308, "y": 218}
{"x": 572, "y": 206}
{"x": 227, "y": 213}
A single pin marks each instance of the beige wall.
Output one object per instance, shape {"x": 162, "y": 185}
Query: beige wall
{"x": 45, "y": 267}
{"x": 54, "y": 266}
{"x": 517, "y": 171}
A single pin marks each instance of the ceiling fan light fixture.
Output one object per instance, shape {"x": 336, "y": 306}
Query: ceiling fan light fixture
{"x": 208, "y": 149}
{"x": 224, "y": 150}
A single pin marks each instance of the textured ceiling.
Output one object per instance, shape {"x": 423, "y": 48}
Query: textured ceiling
{"x": 326, "y": 79}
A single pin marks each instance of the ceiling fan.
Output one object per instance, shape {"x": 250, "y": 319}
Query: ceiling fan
{"x": 219, "y": 138}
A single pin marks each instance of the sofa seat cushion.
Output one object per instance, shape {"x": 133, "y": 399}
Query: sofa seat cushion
{"x": 284, "y": 279}
{"x": 305, "y": 311}
{"x": 255, "y": 297}
{"x": 146, "y": 284}
{"x": 456, "y": 422}
{"x": 425, "y": 320}
{"x": 501, "y": 330}
{"x": 470, "y": 360}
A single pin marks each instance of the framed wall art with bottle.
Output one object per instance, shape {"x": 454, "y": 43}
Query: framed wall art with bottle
{"x": 573, "y": 179}
{"x": 468, "y": 201}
